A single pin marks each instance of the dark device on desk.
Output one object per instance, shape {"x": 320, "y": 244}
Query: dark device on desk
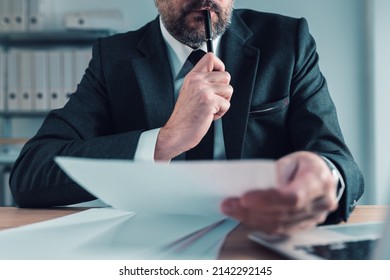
{"x": 336, "y": 242}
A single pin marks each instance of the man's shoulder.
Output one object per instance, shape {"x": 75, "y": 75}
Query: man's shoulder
{"x": 257, "y": 20}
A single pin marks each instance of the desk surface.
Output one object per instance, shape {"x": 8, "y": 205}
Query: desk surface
{"x": 237, "y": 245}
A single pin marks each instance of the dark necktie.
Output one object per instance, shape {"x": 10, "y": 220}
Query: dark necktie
{"x": 204, "y": 150}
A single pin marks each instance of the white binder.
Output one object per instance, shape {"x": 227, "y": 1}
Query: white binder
{"x": 2, "y": 79}
{"x": 5, "y": 12}
{"x": 18, "y": 15}
{"x": 54, "y": 79}
{"x": 12, "y": 99}
{"x": 68, "y": 75}
{"x": 38, "y": 11}
{"x": 1, "y": 20}
{"x": 94, "y": 20}
{"x": 25, "y": 94}
{"x": 40, "y": 89}
{"x": 2, "y": 27}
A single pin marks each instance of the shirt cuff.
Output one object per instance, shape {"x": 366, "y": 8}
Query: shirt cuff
{"x": 336, "y": 173}
{"x": 146, "y": 146}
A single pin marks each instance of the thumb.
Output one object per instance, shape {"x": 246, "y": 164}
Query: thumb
{"x": 209, "y": 63}
{"x": 286, "y": 169}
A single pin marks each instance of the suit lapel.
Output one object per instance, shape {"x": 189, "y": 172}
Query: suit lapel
{"x": 241, "y": 62}
{"x": 153, "y": 72}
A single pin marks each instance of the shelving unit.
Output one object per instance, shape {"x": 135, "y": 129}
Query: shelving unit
{"x": 10, "y": 146}
{"x": 47, "y": 38}
{"x": 9, "y": 149}
{"x": 44, "y": 41}
{"x": 41, "y": 40}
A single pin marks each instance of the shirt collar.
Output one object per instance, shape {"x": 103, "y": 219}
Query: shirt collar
{"x": 179, "y": 52}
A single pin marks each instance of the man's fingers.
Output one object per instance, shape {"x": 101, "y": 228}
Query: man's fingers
{"x": 307, "y": 176}
{"x": 209, "y": 63}
{"x": 224, "y": 106}
{"x": 224, "y": 91}
{"x": 272, "y": 222}
{"x": 215, "y": 77}
{"x": 275, "y": 198}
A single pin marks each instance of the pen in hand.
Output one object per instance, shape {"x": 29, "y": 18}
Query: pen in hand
{"x": 208, "y": 29}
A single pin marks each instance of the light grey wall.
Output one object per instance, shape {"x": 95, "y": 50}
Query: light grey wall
{"x": 339, "y": 28}
{"x": 381, "y": 97}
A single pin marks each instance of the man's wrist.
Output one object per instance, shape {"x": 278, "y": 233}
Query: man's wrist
{"x": 337, "y": 175}
{"x": 166, "y": 145}
{"x": 146, "y": 146}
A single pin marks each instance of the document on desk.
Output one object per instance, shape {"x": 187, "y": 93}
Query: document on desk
{"x": 159, "y": 211}
{"x": 192, "y": 188}
{"x": 108, "y": 233}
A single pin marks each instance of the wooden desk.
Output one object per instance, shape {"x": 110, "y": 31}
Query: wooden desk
{"x": 237, "y": 245}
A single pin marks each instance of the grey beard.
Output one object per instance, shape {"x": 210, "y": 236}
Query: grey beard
{"x": 196, "y": 38}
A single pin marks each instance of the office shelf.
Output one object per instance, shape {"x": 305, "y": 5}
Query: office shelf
{"x": 29, "y": 43}
{"x": 23, "y": 114}
{"x": 47, "y": 38}
{"x": 37, "y": 41}
{"x": 42, "y": 40}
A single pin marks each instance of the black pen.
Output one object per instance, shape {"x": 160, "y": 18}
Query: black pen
{"x": 208, "y": 29}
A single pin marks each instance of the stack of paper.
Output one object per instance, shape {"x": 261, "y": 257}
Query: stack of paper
{"x": 159, "y": 211}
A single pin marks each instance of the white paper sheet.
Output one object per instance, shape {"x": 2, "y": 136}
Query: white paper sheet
{"x": 177, "y": 209}
{"x": 100, "y": 234}
{"x": 195, "y": 188}
{"x": 204, "y": 244}
{"x": 58, "y": 238}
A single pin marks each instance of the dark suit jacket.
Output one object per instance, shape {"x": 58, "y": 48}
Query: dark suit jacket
{"x": 280, "y": 105}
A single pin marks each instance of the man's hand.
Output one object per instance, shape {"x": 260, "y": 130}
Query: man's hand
{"x": 204, "y": 97}
{"x": 304, "y": 196}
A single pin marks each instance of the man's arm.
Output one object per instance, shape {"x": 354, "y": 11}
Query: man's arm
{"x": 306, "y": 193}
{"x": 314, "y": 124}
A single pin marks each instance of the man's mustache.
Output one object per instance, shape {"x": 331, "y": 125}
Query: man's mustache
{"x": 200, "y": 5}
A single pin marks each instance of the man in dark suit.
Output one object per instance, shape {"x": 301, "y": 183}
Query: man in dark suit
{"x": 262, "y": 93}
